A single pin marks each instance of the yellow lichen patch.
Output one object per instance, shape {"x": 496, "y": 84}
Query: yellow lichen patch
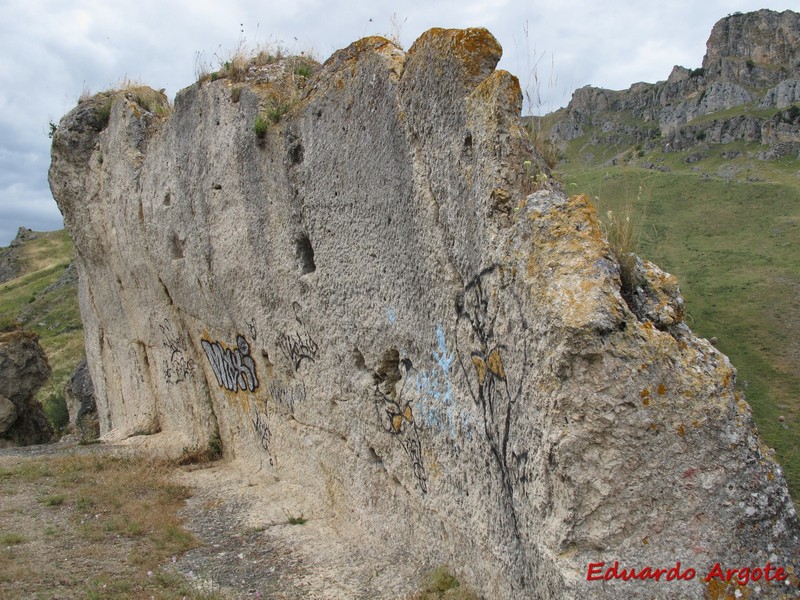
{"x": 645, "y": 393}
{"x": 480, "y": 368}
{"x": 500, "y": 89}
{"x": 407, "y": 414}
{"x": 397, "y": 422}
{"x": 496, "y": 364}
{"x": 653, "y": 427}
{"x": 662, "y": 389}
{"x": 681, "y": 430}
{"x": 695, "y": 423}
{"x": 481, "y": 51}
{"x": 720, "y": 590}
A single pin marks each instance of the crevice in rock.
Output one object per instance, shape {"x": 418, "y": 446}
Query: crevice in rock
{"x": 166, "y": 291}
{"x": 304, "y": 252}
{"x": 296, "y": 153}
{"x": 176, "y": 249}
{"x": 387, "y": 374}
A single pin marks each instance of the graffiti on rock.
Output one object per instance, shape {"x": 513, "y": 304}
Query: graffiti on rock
{"x": 298, "y": 346}
{"x": 263, "y": 433}
{"x": 435, "y": 390}
{"x": 234, "y": 368}
{"x": 395, "y": 413}
{"x": 490, "y": 385}
{"x": 251, "y": 326}
{"x": 177, "y": 367}
{"x": 287, "y": 395}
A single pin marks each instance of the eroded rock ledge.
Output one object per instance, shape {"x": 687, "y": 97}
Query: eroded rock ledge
{"x": 365, "y": 298}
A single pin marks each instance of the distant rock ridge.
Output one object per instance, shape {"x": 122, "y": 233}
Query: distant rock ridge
{"x": 752, "y": 65}
{"x": 9, "y": 256}
{"x": 361, "y": 284}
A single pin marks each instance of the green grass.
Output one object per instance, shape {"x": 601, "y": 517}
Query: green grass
{"x": 12, "y": 539}
{"x": 261, "y": 126}
{"x": 53, "y": 315}
{"x": 733, "y": 245}
{"x": 54, "y": 500}
{"x": 441, "y": 583}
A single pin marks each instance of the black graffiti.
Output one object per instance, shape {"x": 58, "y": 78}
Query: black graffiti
{"x": 251, "y": 326}
{"x": 263, "y": 432}
{"x": 490, "y": 387}
{"x": 413, "y": 448}
{"x": 234, "y": 368}
{"x": 395, "y": 414}
{"x": 298, "y": 346}
{"x": 177, "y": 367}
{"x": 287, "y": 396}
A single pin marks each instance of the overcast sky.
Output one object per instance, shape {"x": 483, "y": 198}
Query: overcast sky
{"x": 52, "y": 50}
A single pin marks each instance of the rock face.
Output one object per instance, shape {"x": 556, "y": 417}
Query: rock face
{"x": 23, "y": 370}
{"x": 752, "y": 64}
{"x": 366, "y": 299}
{"x": 81, "y": 406}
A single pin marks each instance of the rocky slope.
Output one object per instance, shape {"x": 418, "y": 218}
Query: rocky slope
{"x": 358, "y": 294}
{"x": 748, "y": 89}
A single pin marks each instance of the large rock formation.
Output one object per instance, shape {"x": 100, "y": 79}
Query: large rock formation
{"x": 752, "y": 64}
{"x": 81, "y": 405}
{"x": 365, "y": 298}
{"x": 23, "y": 370}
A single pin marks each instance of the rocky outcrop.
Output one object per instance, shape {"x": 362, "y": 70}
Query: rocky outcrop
{"x": 23, "y": 370}
{"x": 364, "y": 298}
{"x": 81, "y": 406}
{"x": 752, "y": 63}
{"x": 757, "y": 49}
{"x": 9, "y": 256}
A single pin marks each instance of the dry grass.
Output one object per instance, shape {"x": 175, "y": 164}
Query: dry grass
{"x": 623, "y": 230}
{"x": 545, "y": 147}
{"x": 95, "y": 527}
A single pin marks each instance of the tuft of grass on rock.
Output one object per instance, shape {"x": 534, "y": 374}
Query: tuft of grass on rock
{"x": 442, "y": 584}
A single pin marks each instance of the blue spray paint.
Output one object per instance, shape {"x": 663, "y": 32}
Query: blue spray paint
{"x": 391, "y": 315}
{"x": 435, "y": 390}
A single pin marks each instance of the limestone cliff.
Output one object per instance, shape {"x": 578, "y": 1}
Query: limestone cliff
{"x": 748, "y": 89}
{"x": 360, "y": 294}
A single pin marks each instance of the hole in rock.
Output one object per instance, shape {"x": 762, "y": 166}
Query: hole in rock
{"x": 305, "y": 253}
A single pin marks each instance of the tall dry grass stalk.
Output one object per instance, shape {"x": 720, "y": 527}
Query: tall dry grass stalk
{"x": 623, "y": 230}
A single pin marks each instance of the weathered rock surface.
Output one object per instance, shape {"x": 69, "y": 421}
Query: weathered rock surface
{"x": 752, "y": 63}
{"x": 8, "y": 414}
{"x": 81, "y": 406}
{"x": 9, "y": 256}
{"x": 364, "y": 301}
{"x": 23, "y": 370}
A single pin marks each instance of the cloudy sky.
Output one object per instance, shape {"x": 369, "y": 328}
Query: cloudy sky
{"x": 53, "y": 50}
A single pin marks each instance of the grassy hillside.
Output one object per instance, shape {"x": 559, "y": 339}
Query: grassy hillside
{"x": 729, "y": 229}
{"x": 44, "y": 299}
